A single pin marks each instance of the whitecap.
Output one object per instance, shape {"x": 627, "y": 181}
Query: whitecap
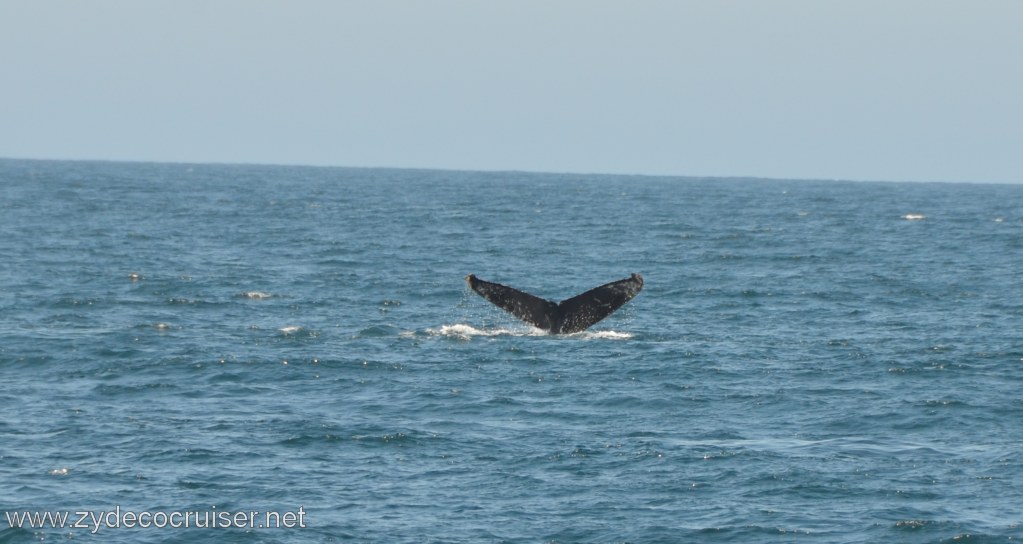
{"x": 290, "y": 329}
{"x": 63, "y": 471}
{"x": 256, "y": 295}
{"x": 914, "y": 216}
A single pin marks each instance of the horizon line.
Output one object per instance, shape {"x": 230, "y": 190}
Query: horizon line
{"x": 503, "y": 171}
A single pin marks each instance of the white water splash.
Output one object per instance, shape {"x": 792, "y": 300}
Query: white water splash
{"x": 605, "y": 335}
{"x": 466, "y": 332}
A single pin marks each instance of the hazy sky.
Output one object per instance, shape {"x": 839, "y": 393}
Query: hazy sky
{"x": 857, "y": 89}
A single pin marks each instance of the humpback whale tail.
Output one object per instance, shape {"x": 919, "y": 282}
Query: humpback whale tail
{"x": 572, "y": 315}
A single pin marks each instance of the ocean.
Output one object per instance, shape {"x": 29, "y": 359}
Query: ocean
{"x": 236, "y": 353}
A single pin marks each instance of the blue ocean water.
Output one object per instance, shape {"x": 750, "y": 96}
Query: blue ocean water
{"x": 808, "y": 361}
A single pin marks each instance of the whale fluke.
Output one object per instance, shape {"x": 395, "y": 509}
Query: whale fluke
{"x": 572, "y": 315}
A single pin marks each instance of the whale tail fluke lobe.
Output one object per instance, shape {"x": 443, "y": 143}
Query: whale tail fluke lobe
{"x": 533, "y": 310}
{"x": 583, "y": 311}
{"x": 571, "y": 315}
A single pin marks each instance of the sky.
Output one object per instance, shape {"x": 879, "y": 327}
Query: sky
{"x": 895, "y": 90}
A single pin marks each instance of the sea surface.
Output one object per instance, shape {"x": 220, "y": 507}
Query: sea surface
{"x": 809, "y": 361}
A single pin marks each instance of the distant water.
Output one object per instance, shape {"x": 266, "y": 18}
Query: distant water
{"x": 808, "y": 362}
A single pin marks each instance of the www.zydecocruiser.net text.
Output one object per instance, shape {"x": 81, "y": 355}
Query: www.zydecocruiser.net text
{"x": 117, "y": 518}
